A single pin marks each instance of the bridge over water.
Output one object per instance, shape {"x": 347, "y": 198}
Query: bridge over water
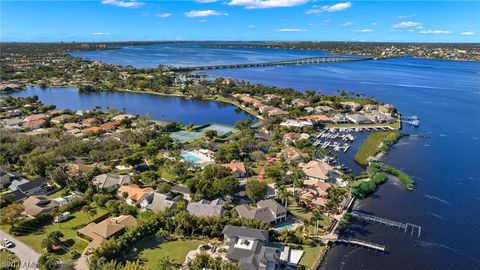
{"x": 295, "y": 61}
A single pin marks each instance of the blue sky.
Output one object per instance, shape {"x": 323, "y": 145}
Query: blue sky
{"x": 115, "y": 20}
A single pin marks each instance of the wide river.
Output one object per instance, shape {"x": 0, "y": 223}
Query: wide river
{"x": 446, "y": 97}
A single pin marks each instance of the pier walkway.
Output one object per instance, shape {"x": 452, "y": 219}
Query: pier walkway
{"x": 362, "y": 244}
{"x": 296, "y": 61}
{"x": 405, "y": 226}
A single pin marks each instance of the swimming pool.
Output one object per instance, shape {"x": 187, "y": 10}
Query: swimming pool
{"x": 190, "y": 158}
{"x": 286, "y": 226}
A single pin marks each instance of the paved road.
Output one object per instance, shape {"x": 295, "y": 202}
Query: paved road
{"x": 28, "y": 256}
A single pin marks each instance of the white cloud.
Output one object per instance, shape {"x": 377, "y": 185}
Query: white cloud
{"x": 346, "y": 24}
{"x": 251, "y": 26}
{"x": 363, "y": 30}
{"x": 205, "y": 1}
{"x": 407, "y": 25}
{"x": 332, "y": 8}
{"x": 163, "y": 15}
{"x": 101, "y": 34}
{"x": 468, "y": 33}
{"x": 253, "y": 4}
{"x": 374, "y": 23}
{"x": 290, "y": 30}
{"x": 434, "y": 32}
{"x": 203, "y": 21}
{"x": 124, "y": 4}
{"x": 204, "y": 13}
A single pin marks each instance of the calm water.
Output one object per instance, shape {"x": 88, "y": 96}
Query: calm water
{"x": 444, "y": 94}
{"x": 189, "y": 54}
{"x": 157, "y": 107}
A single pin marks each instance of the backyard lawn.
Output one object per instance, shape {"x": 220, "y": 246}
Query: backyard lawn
{"x": 68, "y": 228}
{"x": 305, "y": 215}
{"x": 8, "y": 261}
{"x": 311, "y": 255}
{"x": 150, "y": 252}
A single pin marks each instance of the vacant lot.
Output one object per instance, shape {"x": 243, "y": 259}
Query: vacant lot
{"x": 150, "y": 252}
{"x": 70, "y": 242}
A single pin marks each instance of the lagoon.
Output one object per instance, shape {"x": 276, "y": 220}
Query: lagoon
{"x": 164, "y": 108}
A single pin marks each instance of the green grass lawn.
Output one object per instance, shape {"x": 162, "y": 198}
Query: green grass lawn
{"x": 371, "y": 146}
{"x": 8, "y": 261}
{"x": 68, "y": 228}
{"x": 305, "y": 215}
{"x": 55, "y": 195}
{"x": 150, "y": 252}
{"x": 311, "y": 255}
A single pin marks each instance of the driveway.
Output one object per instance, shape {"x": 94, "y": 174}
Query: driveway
{"x": 28, "y": 256}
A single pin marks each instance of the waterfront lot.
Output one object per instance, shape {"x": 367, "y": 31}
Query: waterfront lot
{"x": 311, "y": 255}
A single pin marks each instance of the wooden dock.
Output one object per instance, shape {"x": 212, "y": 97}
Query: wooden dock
{"x": 407, "y": 227}
{"x": 362, "y": 243}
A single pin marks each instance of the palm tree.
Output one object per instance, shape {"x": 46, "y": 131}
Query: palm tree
{"x": 282, "y": 194}
{"x": 166, "y": 264}
{"x": 48, "y": 261}
{"x": 90, "y": 211}
{"x": 316, "y": 218}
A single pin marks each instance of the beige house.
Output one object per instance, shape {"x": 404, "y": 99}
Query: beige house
{"x": 317, "y": 170}
{"x": 237, "y": 168}
{"x": 96, "y": 233}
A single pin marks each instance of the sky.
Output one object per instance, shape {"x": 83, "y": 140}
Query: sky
{"x": 122, "y": 20}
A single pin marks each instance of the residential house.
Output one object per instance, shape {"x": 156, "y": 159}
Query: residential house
{"x": 317, "y": 170}
{"x": 97, "y": 233}
{"x": 122, "y": 117}
{"x": 91, "y": 130}
{"x": 35, "y": 117}
{"x": 17, "y": 182}
{"x": 134, "y": 194}
{"x": 277, "y": 113}
{"x": 36, "y": 205}
{"x": 249, "y": 248}
{"x": 299, "y": 102}
{"x": 90, "y": 121}
{"x": 323, "y": 109}
{"x": 295, "y": 123}
{"x": 315, "y": 119}
{"x": 109, "y": 126}
{"x": 205, "y": 208}
{"x": 61, "y": 118}
{"x": 293, "y": 137}
{"x": 358, "y": 118}
{"x": 159, "y": 202}
{"x": 292, "y": 154}
{"x": 35, "y": 187}
{"x": 237, "y": 168}
{"x": 35, "y": 124}
{"x": 5, "y": 179}
{"x": 71, "y": 126}
{"x": 79, "y": 168}
{"x": 315, "y": 194}
{"x": 268, "y": 211}
{"x": 111, "y": 181}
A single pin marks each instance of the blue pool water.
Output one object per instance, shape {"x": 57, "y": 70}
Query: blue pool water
{"x": 188, "y": 157}
{"x": 287, "y": 226}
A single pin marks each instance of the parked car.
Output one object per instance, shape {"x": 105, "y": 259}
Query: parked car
{"x": 7, "y": 243}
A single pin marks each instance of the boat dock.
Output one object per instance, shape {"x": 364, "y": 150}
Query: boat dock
{"x": 362, "y": 243}
{"x": 407, "y": 227}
